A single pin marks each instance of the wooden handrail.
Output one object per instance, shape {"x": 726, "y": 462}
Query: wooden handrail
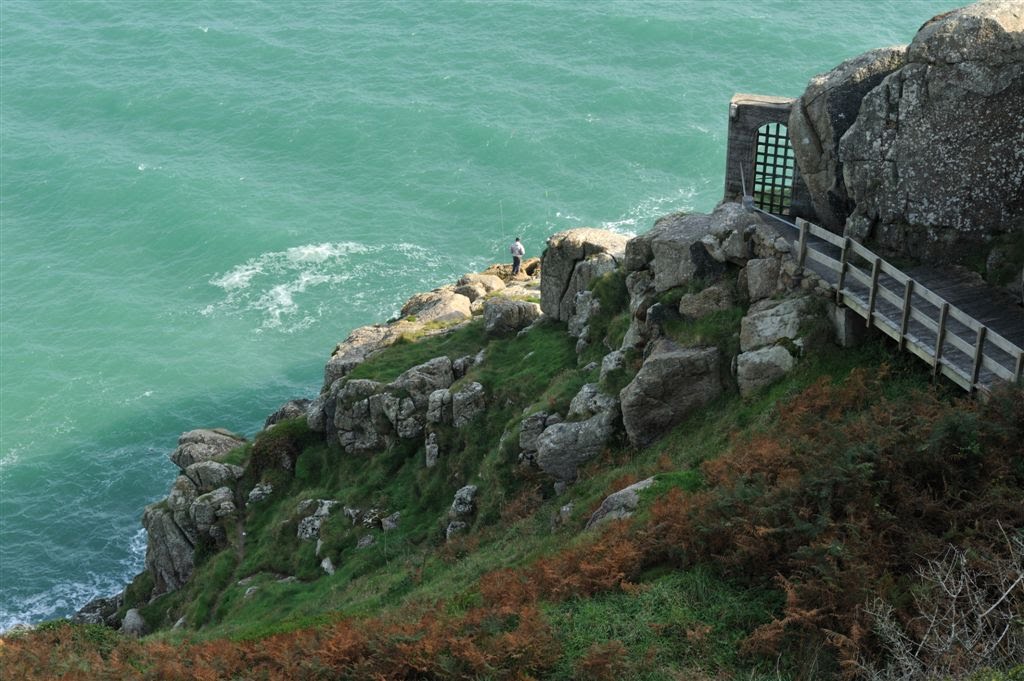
{"x": 976, "y": 347}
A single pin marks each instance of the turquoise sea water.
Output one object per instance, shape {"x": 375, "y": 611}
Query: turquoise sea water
{"x": 198, "y": 200}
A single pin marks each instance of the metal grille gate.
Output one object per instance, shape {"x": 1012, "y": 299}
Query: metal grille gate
{"x": 774, "y": 169}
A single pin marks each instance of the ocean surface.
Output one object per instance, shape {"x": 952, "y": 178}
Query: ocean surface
{"x": 198, "y": 200}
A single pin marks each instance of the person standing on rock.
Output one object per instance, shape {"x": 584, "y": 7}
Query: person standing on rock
{"x": 517, "y": 251}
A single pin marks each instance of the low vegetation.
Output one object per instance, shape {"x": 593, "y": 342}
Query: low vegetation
{"x": 810, "y": 531}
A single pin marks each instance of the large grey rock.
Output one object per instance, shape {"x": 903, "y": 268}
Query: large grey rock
{"x": 672, "y": 382}
{"x": 169, "y": 550}
{"x": 530, "y": 429}
{"x": 439, "y": 406}
{"x": 133, "y": 624}
{"x": 359, "y": 345}
{"x": 423, "y": 379}
{"x": 935, "y": 160}
{"x": 728, "y": 238}
{"x": 292, "y": 409}
{"x": 468, "y": 402}
{"x": 590, "y": 401}
{"x": 433, "y": 450}
{"x": 464, "y": 503}
{"x": 716, "y": 298}
{"x": 759, "y": 368}
{"x": 673, "y": 250}
{"x": 621, "y": 504}
{"x": 563, "y": 447}
{"x": 359, "y": 419}
{"x": 762, "y": 278}
{"x": 489, "y": 282}
{"x": 571, "y": 261}
{"x": 204, "y": 444}
{"x": 101, "y": 610}
{"x": 820, "y": 117}
{"x": 209, "y": 475}
{"x": 210, "y": 507}
{"x": 504, "y": 316}
{"x": 441, "y": 306}
{"x": 769, "y": 321}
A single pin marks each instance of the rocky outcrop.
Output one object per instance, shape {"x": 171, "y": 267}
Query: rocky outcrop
{"x": 133, "y": 624}
{"x": 820, "y": 117}
{"x": 442, "y": 306}
{"x": 935, "y": 160}
{"x": 762, "y": 367}
{"x": 204, "y": 444}
{"x": 673, "y": 251}
{"x": 199, "y": 498}
{"x": 462, "y": 510}
{"x": 672, "y": 382}
{"x": 468, "y": 402}
{"x": 771, "y": 321}
{"x": 563, "y": 446}
{"x": 368, "y": 414}
{"x": 621, "y": 504}
{"x": 529, "y": 432}
{"x": 715, "y": 298}
{"x": 505, "y": 317}
{"x": 571, "y": 261}
{"x": 292, "y": 409}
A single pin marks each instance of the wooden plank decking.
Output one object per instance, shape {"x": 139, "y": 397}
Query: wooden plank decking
{"x": 965, "y": 330}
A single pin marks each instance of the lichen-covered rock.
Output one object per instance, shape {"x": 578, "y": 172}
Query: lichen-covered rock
{"x": 133, "y": 625}
{"x": 209, "y": 475}
{"x": 464, "y": 503}
{"x": 769, "y": 321}
{"x": 208, "y": 508}
{"x": 359, "y": 418}
{"x": 728, "y": 238}
{"x": 489, "y": 282}
{"x": 672, "y": 382}
{"x": 621, "y": 504}
{"x": 473, "y": 291}
{"x": 563, "y": 447}
{"x": 316, "y": 511}
{"x": 529, "y": 431}
{"x": 169, "y": 550}
{"x": 204, "y": 444}
{"x": 820, "y": 117}
{"x": 441, "y": 305}
{"x": 673, "y": 250}
{"x": 935, "y": 160}
{"x": 762, "y": 278}
{"x": 504, "y": 316}
{"x": 439, "y": 406}
{"x": 292, "y": 409}
{"x": 468, "y": 402}
{"x": 715, "y": 298}
{"x": 590, "y": 401}
{"x": 260, "y": 492}
{"x": 359, "y": 345}
{"x": 762, "y": 367}
{"x": 571, "y": 261}
{"x": 433, "y": 450}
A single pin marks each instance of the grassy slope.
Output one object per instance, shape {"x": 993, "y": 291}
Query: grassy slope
{"x": 665, "y": 619}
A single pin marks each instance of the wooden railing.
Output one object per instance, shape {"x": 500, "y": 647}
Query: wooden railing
{"x": 955, "y": 344}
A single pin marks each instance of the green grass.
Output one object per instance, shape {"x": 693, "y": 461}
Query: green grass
{"x": 408, "y": 352}
{"x": 673, "y": 623}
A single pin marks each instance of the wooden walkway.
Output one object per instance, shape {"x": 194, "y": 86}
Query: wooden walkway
{"x": 964, "y": 329}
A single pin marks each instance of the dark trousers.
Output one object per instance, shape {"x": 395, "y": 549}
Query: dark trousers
{"x": 516, "y": 261}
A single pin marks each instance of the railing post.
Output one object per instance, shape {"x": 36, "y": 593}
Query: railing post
{"x": 979, "y": 346}
{"x": 905, "y": 322}
{"x": 802, "y": 245}
{"x": 873, "y": 293}
{"x": 1018, "y": 371}
{"x": 842, "y": 272}
{"x": 940, "y": 338}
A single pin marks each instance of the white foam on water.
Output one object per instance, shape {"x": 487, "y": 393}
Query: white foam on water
{"x": 72, "y": 595}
